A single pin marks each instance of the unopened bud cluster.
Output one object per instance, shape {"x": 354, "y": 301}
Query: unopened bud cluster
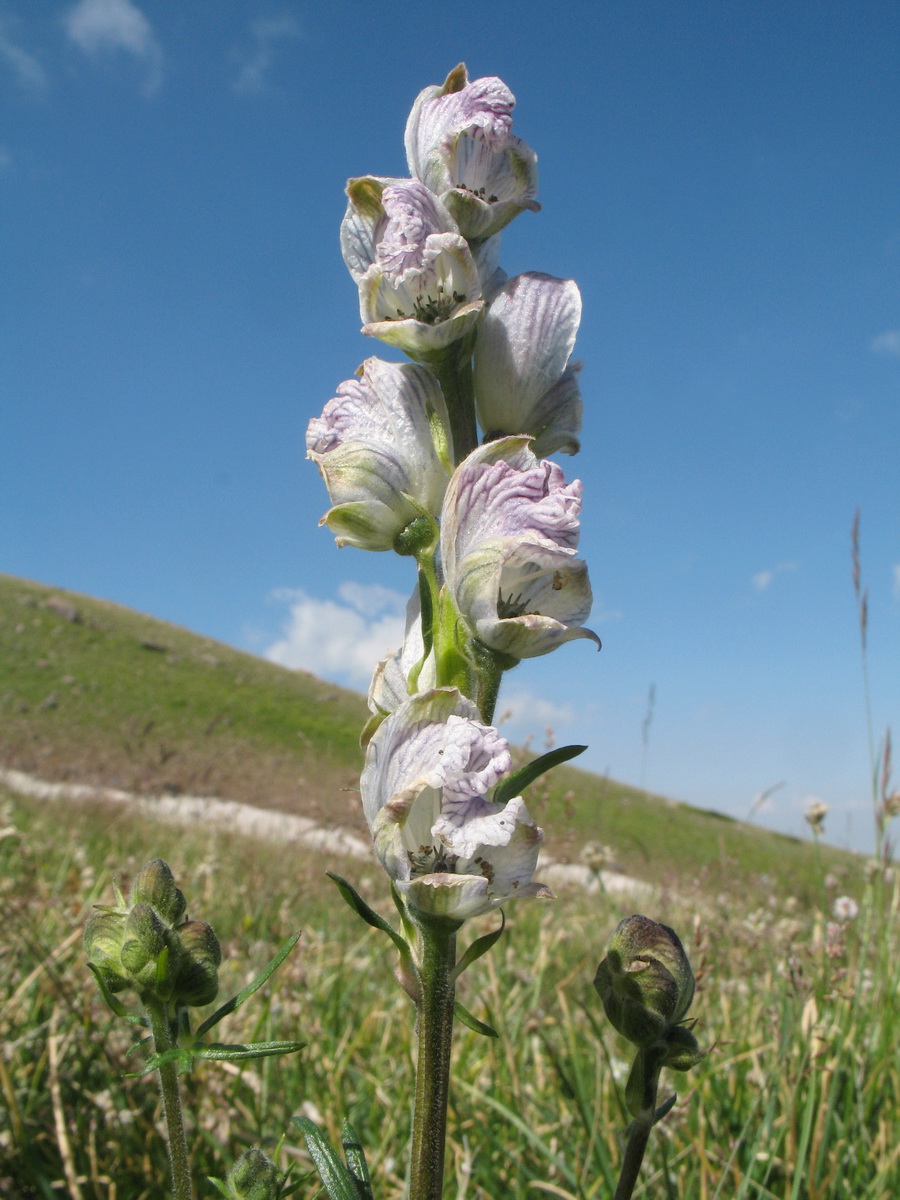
{"x": 647, "y": 985}
{"x": 147, "y": 946}
{"x": 253, "y": 1177}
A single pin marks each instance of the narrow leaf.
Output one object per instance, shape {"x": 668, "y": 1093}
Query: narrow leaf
{"x": 236, "y": 1001}
{"x": 465, "y": 1018}
{"x": 356, "y": 1160}
{"x": 222, "y": 1052}
{"x": 337, "y": 1179}
{"x": 478, "y": 947}
{"x": 359, "y": 906}
{"x": 516, "y": 783}
{"x": 664, "y": 1108}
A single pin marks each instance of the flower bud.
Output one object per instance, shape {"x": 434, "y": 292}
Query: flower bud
{"x": 145, "y": 937}
{"x": 155, "y": 884}
{"x": 197, "y": 981}
{"x": 645, "y": 981}
{"x": 125, "y": 944}
{"x": 253, "y": 1177}
{"x": 103, "y": 944}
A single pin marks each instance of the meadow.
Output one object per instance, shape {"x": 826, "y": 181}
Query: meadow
{"x": 798, "y": 1097}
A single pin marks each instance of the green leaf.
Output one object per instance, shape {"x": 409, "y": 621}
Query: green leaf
{"x": 113, "y": 1002}
{"x": 516, "y": 783}
{"x": 477, "y": 948}
{"x": 465, "y": 1017}
{"x": 236, "y": 1001}
{"x": 223, "y": 1052}
{"x": 359, "y": 906}
{"x": 356, "y": 1160}
{"x": 220, "y": 1187}
{"x": 339, "y": 1183}
{"x": 664, "y": 1108}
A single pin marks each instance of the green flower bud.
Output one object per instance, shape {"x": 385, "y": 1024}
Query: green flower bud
{"x": 645, "y": 981}
{"x": 103, "y": 935}
{"x": 253, "y": 1177}
{"x": 681, "y": 1049}
{"x": 420, "y": 534}
{"x": 197, "y": 981}
{"x": 155, "y": 885}
{"x": 146, "y": 936}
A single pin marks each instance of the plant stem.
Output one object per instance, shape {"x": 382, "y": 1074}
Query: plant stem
{"x": 638, "y": 1136}
{"x": 453, "y": 369}
{"x": 435, "y": 1030}
{"x": 171, "y": 1102}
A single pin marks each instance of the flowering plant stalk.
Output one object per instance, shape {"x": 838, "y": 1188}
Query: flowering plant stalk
{"x": 443, "y": 459}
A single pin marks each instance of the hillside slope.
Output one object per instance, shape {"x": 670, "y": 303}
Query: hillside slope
{"x": 97, "y": 693}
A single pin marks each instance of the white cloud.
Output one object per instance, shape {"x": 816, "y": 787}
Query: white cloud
{"x": 340, "y": 641}
{"x": 97, "y": 26}
{"x": 887, "y": 343}
{"x": 25, "y": 67}
{"x": 265, "y": 34}
{"x": 762, "y": 580}
{"x": 896, "y": 586}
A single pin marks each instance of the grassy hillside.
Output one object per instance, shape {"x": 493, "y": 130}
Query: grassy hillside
{"x": 94, "y": 692}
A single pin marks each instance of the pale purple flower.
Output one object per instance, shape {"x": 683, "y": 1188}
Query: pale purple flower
{"x": 375, "y": 446}
{"x": 509, "y": 533}
{"x": 459, "y": 142}
{"x": 419, "y": 285}
{"x": 524, "y": 382}
{"x": 449, "y": 849}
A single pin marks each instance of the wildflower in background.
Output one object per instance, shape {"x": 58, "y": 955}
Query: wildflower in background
{"x": 509, "y": 532}
{"x": 459, "y": 143}
{"x": 845, "y": 909}
{"x": 419, "y": 285}
{"x": 524, "y": 382}
{"x": 815, "y": 814}
{"x": 450, "y": 850}
{"x": 375, "y": 447}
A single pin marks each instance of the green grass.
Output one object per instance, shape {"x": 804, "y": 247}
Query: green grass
{"x": 122, "y": 699}
{"x": 798, "y": 1098}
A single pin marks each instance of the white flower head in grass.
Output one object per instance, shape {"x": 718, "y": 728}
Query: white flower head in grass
{"x": 374, "y": 444}
{"x": 845, "y": 909}
{"x": 814, "y": 814}
{"x": 451, "y": 851}
{"x": 508, "y": 546}
{"x": 524, "y": 382}
{"x": 419, "y": 285}
{"x": 459, "y": 142}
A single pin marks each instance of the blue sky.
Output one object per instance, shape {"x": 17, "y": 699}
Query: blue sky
{"x": 722, "y": 180}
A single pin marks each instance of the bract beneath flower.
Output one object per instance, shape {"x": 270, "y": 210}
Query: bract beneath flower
{"x": 375, "y": 448}
{"x": 450, "y": 850}
{"x": 390, "y": 686}
{"x": 524, "y": 382}
{"x": 419, "y": 286}
{"x": 459, "y": 142}
{"x": 509, "y": 532}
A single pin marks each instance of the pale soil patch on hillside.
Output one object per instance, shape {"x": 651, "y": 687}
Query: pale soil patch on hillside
{"x": 268, "y": 824}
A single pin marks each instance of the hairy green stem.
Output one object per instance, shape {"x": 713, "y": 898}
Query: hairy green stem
{"x": 171, "y": 1102}
{"x": 435, "y": 1032}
